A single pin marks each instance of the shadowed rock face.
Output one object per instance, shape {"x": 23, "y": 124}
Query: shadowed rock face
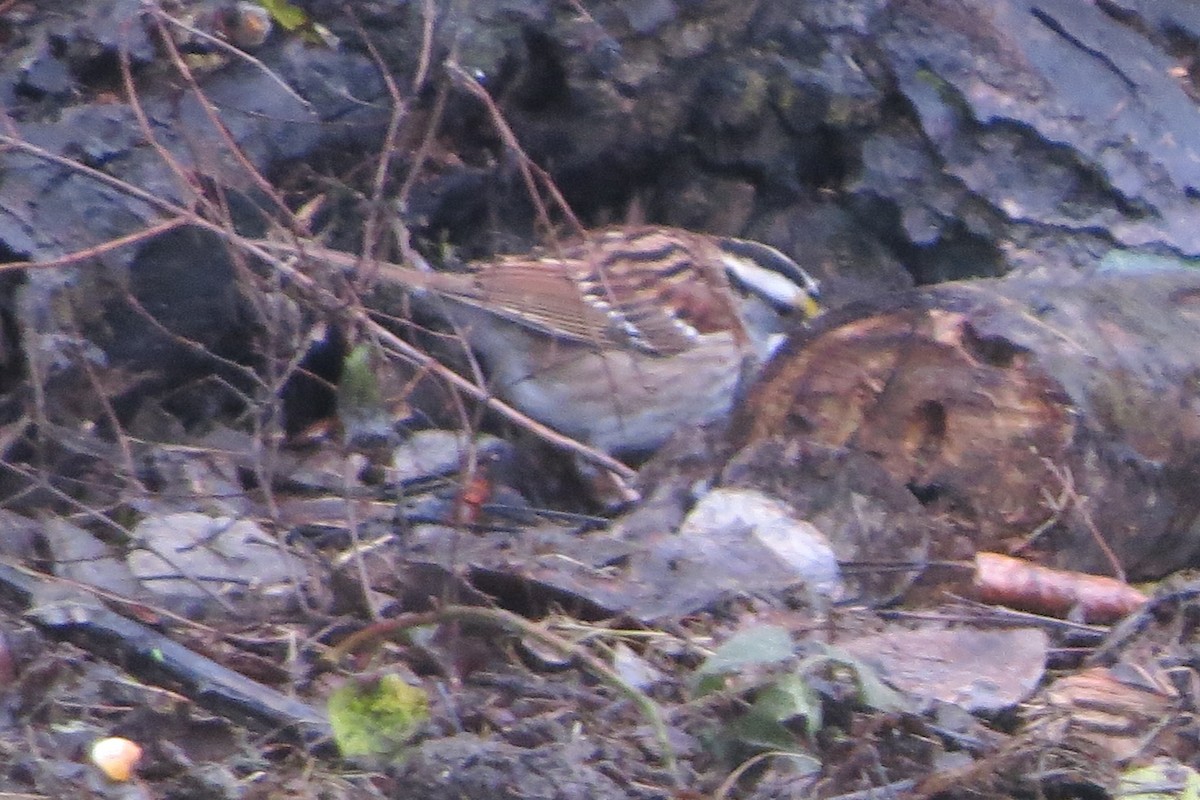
{"x": 937, "y": 128}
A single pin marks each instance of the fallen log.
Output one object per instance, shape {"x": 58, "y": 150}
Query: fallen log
{"x": 1052, "y": 415}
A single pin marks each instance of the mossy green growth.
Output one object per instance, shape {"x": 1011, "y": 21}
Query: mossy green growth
{"x": 1164, "y": 779}
{"x": 366, "y": 423}
{"x": 376, "y": 716}
{"x": 358, "y": 390}
{"x": 285, "y": 14}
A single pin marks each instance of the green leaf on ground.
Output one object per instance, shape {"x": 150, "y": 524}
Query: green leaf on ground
{"x": 376, "y": 716}
{"x": 759, "y": 646}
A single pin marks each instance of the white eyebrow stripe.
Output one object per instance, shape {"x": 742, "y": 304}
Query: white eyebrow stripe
{"x": 766, "y": 282}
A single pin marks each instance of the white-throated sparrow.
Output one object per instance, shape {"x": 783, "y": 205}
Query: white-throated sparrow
{"x": 621, "y": 337}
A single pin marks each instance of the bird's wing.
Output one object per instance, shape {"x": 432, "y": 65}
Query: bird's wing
{"x": 640, "y": 290}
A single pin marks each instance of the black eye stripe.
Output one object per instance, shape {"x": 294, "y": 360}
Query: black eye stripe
{"x": 768, "y": 258}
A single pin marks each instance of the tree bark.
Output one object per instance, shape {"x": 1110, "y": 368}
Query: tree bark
{"x": 1058, "y": 414}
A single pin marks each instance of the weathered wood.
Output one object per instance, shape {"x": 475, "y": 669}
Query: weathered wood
{"x": 1064, "y": 407}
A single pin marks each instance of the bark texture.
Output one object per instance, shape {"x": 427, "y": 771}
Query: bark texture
{"x": 1065, "y": 407}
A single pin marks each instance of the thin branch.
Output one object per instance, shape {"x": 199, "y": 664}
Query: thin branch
{"x": 183, "y": 176}
{"x": 530, "y": 172}
{"x": 428, "y": 17}
{"x": 397, "y": 117}
{"x": 424, "y": 360}
{"x": 218, "y": 124}
{"x": 221, "y": 44}
{"x": 549, "y": 435}
{"x": 93, "y": 253}
{"x": 1067, "y": 480}
{"x": 166, "y": 206}
{"x": 421, "y": 154}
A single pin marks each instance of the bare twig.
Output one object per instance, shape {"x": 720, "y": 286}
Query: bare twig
{"x": 425, "y": 361}
{"x": 804, "y": 759}
{"x": 214, "y": 119}
{"x": 421, "y": 154}
{"x": 549, "y": 435}
{"x": 428, "y": 17}
{"x": 165, "y": 206}
{"x": 114, "y": 422}
{"x": 92, "y": 253}
{"x": 398, "y": 115}
{"x": 222, "y": 228}
{"x": 1079, "y": 503}
{"x": 238, "y": 53}
{"x": 530, "y": 172}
